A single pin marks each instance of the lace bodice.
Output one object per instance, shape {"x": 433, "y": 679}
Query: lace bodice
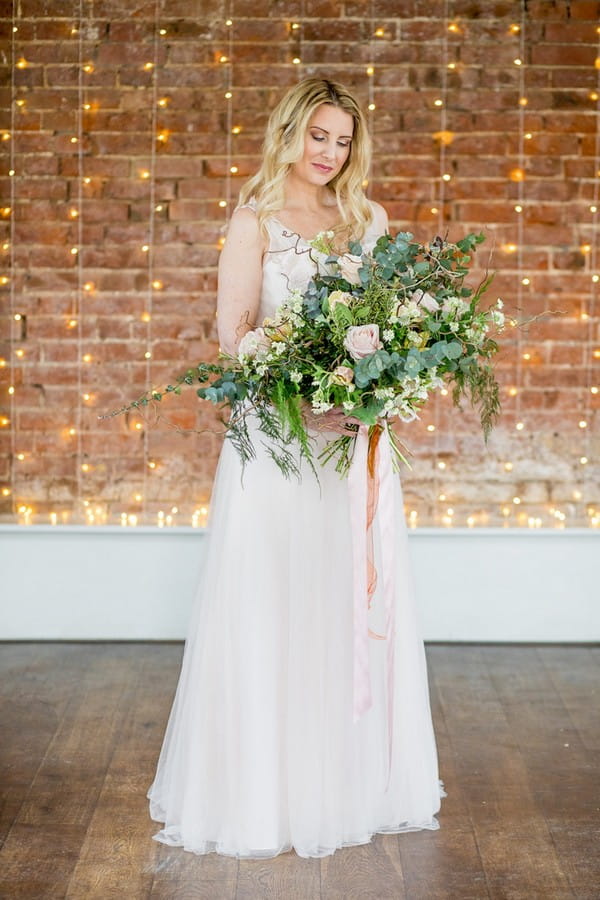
{"x": 290, "y": 262}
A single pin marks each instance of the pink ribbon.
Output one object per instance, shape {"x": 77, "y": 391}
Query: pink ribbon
{"x": 370, "y": 484}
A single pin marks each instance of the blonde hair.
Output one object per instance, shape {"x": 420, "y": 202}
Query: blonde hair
{"x": 284, "y": 145}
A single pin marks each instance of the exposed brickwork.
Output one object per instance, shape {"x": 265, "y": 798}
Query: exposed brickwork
{"x": 560, "y": 74}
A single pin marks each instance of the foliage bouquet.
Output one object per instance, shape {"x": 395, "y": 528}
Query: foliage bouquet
{"x": 374, "y": 333}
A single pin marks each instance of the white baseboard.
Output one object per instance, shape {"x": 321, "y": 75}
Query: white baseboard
{"x": 112, "y": 583}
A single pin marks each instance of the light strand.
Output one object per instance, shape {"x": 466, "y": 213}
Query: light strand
{"x": 590, "y": 367}
{"x": 151, "y": 282}
{"x": 12, "y": 267}
{"x": 519, "y": 176}
{"x": 78, "y": 313}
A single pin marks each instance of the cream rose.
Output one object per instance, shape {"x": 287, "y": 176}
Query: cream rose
{"x": 349, "y": 266}
{"x": 342, "y": 375}
{"x": 362, "y": 340}
{"x": 254, "y": 344}
{"x": 336, "y": 297}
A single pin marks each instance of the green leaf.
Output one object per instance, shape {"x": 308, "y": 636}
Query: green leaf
{"x": 453, "y": 349}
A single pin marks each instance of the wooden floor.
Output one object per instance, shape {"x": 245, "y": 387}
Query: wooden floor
{"x": 518, "y": 732}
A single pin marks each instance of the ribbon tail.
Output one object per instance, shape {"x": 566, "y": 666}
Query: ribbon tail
{"x": 386, "y": 522}
{"x": 357, "y": 488}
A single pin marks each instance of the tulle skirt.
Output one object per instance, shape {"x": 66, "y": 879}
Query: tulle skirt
{"x": 261, "y": 753}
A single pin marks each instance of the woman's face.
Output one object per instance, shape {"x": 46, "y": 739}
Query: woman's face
{"x": 326, "y": 145}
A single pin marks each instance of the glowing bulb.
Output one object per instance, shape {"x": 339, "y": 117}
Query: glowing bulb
{"x": 520, "y": 426}
{"x": 228, "y": 95}
{"x": 87, "y": 396}
{"x": 509, "y": 248}
{"x": 20, "y": 102}
{"x": 222, "y": 203}
{"x": 87, "y": 105}
{"x": 22, "y": 63}
{"x": 593, "y": 209}
{"x": 454, "y": 27}
{"x": 162, "y": 31}
{"x": 20, "y": 353}
{"x": 451, "y": 65}
{"x": 236, "y": 129}
{"x": 151, "y": 464}
{"x": 162, "y": 136}
{"x": 370, "y": 70}
{"x": 294, "y": 26}
{"x": 86, "y": 180}
{"x": 380, "y": 32}
{"x": 441, "y": 464}
{"x": 158, "y": 207}
{"x": 525, "y": 281}
{"x": 148, "y": 66}
{"x": 585, "y": 248}
{"x": 446, "y": 176}
{"x": 593, "y": 95}
{"x": 145, "y": 248}
{"x": 434, "y": 210}
{"x": 516, "y": 174}
{"x": 527, "y": 357}
{"x": 17, "y": 317}
{"x": 223, "y": 59}
{"x": 87, "y": 357}
{"x": 518, "y": 208}
{"x": 438, "y": 102}
{"x": 72, "y": 431}
{"x": 371, "y": 106}
{"x": 6, "y": 135}
{"x": 233, "y": 170}
{"x": 518, "y": 62}
{"x": 431, "y": 428}
{"x": 144, "y": 173}
{"x": 229, "y": 23}
{"x": 516, "y": 500}
{"x": 594, "y": 389}
{"x": 157, "y": 284}
{"x": 583, "y": 460}
{"x": 74, "y": 251}
{"x": 296, "y": 60}
{"x": 145, "y": 317}
{"x": 73, "y": 213}
{"x": 508, "y": 466}
{"x": 514, "y": 28}
{"x": 72, "y": 323}
{"x": 147, "y": 354}
{"x": 582, "y": 423}
{"x": 528, "y": 135}
{"x": 74, "y": 140}
{"x": 163, "y": 101}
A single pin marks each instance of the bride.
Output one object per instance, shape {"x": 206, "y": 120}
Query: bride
{"x": 262, "y": 753}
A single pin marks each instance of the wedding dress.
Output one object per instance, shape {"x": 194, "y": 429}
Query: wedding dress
{"x": 261, "y": 753}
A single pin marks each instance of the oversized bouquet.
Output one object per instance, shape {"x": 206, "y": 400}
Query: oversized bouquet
{"x": 373, "y": 334}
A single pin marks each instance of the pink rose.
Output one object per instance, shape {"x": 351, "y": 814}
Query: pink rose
{"x": 362, "y": 340}
{"x": 342, "y": 375}
{"x": 349, "y": 266}
{"x": 426, "y": 300}
{"x": 254, "y": 343}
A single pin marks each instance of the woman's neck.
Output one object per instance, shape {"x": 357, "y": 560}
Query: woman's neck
{"x": 302, "y": 195}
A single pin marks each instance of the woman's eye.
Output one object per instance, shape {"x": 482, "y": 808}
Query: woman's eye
{"x": 318, "y": 137}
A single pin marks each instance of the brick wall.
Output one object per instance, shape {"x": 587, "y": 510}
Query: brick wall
{"x": 121, "y": 140}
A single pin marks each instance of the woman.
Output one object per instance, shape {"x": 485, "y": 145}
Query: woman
{"x": 261, "y": 753}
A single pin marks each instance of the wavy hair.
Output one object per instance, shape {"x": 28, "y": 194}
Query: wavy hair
{"x": 284, "y": 145}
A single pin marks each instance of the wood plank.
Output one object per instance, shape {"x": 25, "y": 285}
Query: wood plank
{"x": 516, "y": 848}
{"x": 85, "y": 724}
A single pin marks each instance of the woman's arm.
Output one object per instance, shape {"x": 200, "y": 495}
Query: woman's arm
{"x": 240, "y": 279}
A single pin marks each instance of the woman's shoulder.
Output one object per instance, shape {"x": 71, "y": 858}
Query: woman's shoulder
{"x": 243, "y": 226}
{"x": 380, "y": 216}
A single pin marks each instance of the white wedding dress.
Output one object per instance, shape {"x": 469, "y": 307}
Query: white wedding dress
{"x": 261, "y": 753}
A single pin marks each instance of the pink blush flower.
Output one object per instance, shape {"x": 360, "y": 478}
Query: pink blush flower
{"x": 349, "y": 265}
{"x": 362, "y": 340}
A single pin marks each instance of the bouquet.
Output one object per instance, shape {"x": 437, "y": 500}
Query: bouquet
{"x": 373, "y": 333}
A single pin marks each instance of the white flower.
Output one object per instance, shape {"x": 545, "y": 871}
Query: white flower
{"x": 336, "y": 297}
{"x": 388, "y": 335}
{"x": 499, "y": 303}
{"x": 497, "y": 318}
{"x": 296, "y": 377}
{"x": 453, "y": 326}
{"x": 414, "y": 337}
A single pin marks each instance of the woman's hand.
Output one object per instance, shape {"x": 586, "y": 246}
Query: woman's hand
{"x": 333, "y": 420}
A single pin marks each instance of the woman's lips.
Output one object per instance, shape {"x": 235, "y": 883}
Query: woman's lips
{"x": 323, "y": 168}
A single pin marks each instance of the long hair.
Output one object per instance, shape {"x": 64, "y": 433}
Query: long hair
{"x": 284, "y": 145}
